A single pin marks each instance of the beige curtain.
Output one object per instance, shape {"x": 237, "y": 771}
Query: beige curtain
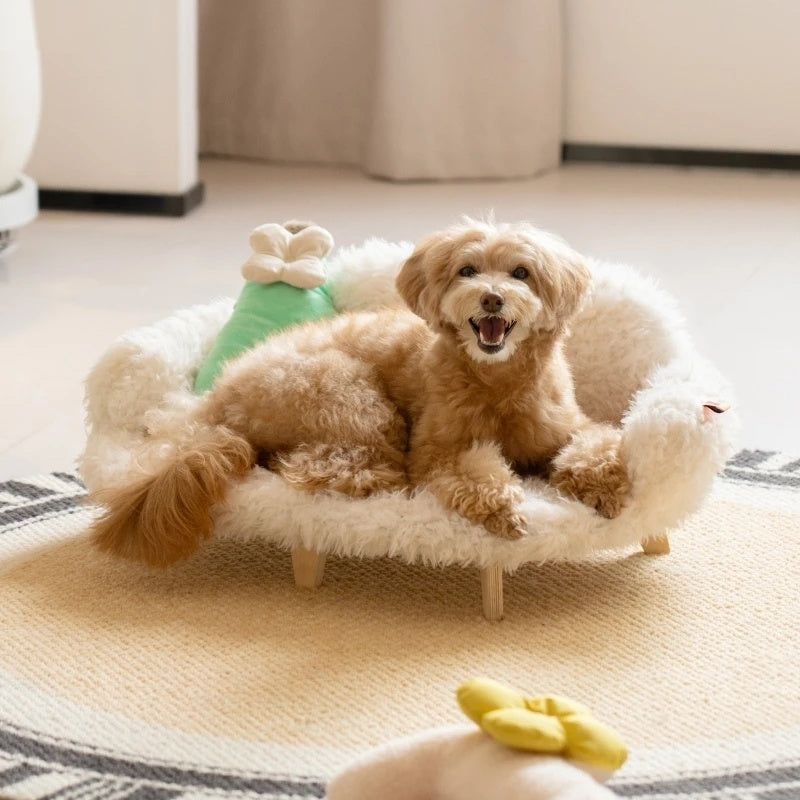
{"x": 408, "y": 89}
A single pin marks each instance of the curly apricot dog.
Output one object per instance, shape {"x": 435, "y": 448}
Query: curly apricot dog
{"x": 462, "y": 394}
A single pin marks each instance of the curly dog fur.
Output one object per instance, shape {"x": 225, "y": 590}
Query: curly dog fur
{"x": 462, "y": 394}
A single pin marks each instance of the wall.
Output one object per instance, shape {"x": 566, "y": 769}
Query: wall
{"x": 719, "y": 74}
{"x": 119, "y": 109}
{"x": 119, "y": 84}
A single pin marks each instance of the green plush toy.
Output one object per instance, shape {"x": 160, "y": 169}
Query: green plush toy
{"x": 541, "y": 724}
{"x": 285, "y": 277}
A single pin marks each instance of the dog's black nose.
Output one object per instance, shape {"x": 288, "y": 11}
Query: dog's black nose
{"x": 491, "y": 301}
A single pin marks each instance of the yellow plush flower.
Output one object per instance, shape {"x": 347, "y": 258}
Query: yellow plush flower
{"x": 541, "y": 724}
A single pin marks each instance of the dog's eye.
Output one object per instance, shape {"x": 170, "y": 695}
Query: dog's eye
{"x": 521, "y": 273}
{"x": 467, "y": 272}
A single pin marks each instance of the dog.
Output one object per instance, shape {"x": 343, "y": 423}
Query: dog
{"x": 463, "y": 393}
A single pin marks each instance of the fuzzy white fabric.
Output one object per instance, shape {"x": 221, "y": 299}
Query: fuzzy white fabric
{"x": 634, "y": 364}
{"x": 460, "y": 763}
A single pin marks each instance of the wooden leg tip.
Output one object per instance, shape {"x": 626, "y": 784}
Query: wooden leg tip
{"x": 656, "y": 546}
{"x": 309, "y": 568}
{"x": 492, "y": 593}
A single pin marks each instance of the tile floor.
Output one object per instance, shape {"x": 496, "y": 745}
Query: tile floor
{"x": 726, "y": 243}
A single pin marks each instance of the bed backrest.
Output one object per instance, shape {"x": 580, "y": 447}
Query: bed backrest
{"x": 626, "y": 329}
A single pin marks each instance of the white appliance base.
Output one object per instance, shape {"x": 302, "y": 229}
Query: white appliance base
{"x": 19, "y": 204}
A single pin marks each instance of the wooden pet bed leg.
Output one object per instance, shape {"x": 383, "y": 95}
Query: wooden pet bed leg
{"x": 308, "y": 566}
{"x": 656, "y": 545}
{"x": 492, "y": 593}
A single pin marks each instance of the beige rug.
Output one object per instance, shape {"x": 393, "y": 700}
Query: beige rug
{"x": 220, "y": 679}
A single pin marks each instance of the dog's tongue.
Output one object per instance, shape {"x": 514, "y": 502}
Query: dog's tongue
{"x": 492, "y": 329}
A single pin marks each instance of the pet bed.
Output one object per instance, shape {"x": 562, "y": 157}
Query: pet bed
{"x": 634, "y": 364}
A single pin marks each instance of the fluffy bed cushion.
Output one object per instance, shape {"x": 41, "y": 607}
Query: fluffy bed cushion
{"x": 633, "y": 363}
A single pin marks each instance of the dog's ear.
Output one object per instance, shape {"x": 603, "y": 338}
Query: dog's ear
{"x": 574, "y": 282}
{"x": 564, "y": 278}
{"x": 410, "y": 281}
{"x": 415, "y": 281}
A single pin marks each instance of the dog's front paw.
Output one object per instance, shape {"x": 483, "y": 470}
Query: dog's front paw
{"x": 590, "y": 469}
{"x": 609, "y": 499}
{"x": 506, "y": 524}
{"x": 612, "y": 496}
{"x": 601, "y": 484}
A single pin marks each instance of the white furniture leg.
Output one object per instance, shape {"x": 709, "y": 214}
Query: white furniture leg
{"x": 492, "y": 593}
{"x": 308, "y": 566}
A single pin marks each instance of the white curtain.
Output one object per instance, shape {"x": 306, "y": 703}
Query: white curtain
{"x": 408, "y": 89}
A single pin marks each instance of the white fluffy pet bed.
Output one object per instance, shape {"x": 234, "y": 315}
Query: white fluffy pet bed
{"x": 634, "y": 364}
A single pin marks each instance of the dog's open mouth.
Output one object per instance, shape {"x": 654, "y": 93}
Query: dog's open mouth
{"x": 491, "y": 333}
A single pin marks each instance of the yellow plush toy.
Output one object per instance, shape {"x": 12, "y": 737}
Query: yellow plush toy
{"x": 545, "y": 724}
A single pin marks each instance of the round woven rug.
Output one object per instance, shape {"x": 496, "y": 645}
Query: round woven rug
{"x": 219, "y": 678}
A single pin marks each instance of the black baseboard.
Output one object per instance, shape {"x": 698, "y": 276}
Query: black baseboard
{"x": 682, "y": 157}
{"x": 164, "y": 205}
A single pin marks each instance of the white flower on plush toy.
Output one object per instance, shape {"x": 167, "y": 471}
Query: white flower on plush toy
{"x": 294, "y": 258}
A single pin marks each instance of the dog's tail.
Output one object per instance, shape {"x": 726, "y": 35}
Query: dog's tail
{"x": 162, "y": 517}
